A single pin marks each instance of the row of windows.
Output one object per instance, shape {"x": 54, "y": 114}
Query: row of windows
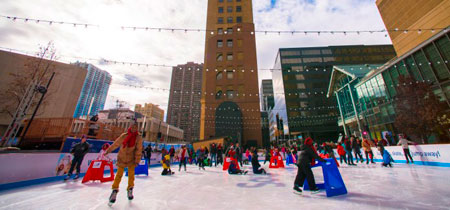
{"x": 219, "y": 56}
{"x": 229, "y": 43}
{"x": 230, "y": 92}
{"x": 351, "y": 51}
{"x": 229, "y": 20}
{"x": 344, "y": 59}
{"x": 220, "y": 1}
{"x": 230, "y": 9}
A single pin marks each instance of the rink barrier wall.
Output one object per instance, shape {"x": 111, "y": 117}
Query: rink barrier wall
{"x": 47, "y": 167}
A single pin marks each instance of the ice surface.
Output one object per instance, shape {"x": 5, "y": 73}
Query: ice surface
{"x": 369, "y": 187}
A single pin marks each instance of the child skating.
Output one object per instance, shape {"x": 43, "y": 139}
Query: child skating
{"x": 129, "y": 156}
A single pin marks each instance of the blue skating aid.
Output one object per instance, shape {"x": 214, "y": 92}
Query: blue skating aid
{"x": 333, "y": 183}
{"x": 289, "y": 160}
{"x": 142, "y": 168}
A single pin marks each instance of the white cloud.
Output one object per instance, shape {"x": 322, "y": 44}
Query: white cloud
{"x": 178, "y": 47}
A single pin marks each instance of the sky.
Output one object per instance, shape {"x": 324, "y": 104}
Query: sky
{"x": 111, "y": 43}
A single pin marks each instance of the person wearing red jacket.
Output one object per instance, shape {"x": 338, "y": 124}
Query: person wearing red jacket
{"x": 341, "y": 152}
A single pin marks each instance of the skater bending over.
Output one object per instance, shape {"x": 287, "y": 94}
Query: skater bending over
{"x": 233, "y": 169}
{"x": 305, "y": 161}
{"x": 387, "y": 159}
{"x": 255, "y": 164}
{"x": 166, "y": 166}
{"x": 129, "y": 156}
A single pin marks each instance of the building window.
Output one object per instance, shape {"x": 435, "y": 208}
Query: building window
{"x": 220, "y": 1}
{"x": 229, "y": 9}
{"x": 239, "y": 20}
{"x": 219, "y": 57}
{"x": 230, "y": 56}
{"x": 300, "y": 77}
{"x": 219, "y": 94}
{"x": 230, "y": 20}
{"x": 229, "y": 75}
{"x": 229, "y": 0}
{"x": 219, "y": 43}
{"x": 229, "y": 30}
{"x": 220, "y": 20}
{"x": 230, "y": 43}
{"x": 240, "y": 56}
{"x": 220, "y": 31}
{"x": 240, "y": 72}
{"x": 219, "y": 76}
{"x": 238, "y": 0}
{"x": 301, "y": 86}
{"x": 220, "y": 9}
{"x": 238, "y": 9}
{"x": 230, "y": 94}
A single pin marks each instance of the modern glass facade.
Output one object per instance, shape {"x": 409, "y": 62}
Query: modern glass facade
{"x": 301, "y": 79}
{"x": 94, "y": 92}
{"x": 428, "y": 62}
{"x": 266, "y": 92}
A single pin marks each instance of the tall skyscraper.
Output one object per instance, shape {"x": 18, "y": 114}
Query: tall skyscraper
{"x": 95, "y": 89}
{"x": 404, "y": 18}
{"x": 230, "y": 99}
{"x": 266, "y": 94}
{"x": 150, "y": 110}
{"x": 184, "y": 100}
{"x": 301, "y": 83}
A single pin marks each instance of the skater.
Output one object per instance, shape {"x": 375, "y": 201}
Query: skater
{"x": 219, "y": 154}
{"x": 234, "y": 170}
{"x": 357, "y": 149}
{"x": 78, "y": 151}
{"x": 238, "y": 154}
{"x": 201, "y": 158}
{"x": 148, "y": 153}
{"x": 367, "y": 145}
{"x": 183, "y": 155}
{"x": 257, "y": 169}
{"x": 166, "y": 166}
{"x": 348, "y": 151}
{"x": 129, "y": 156}
{"x": 305, "y": 161}
{"x": 171, "y": 153}
{"x": 341, "y": 153}
{"x": 267, "y": 156}
{"x": 404, "y": 142}
{"x": 387, "y": 159}
{"x": 214, "y": 154}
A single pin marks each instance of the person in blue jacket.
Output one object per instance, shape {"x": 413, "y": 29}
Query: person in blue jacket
{"x": 387, "y": 159}
{"x": 234, "y": 170}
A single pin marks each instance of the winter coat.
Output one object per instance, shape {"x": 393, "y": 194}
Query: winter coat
{"x": 404, "y": 143}
{"x": 307, "y": 154}
{"x": 128, "y": 156}
{"x": 355, "y": 146}
{"x": 367, "y": 145}
{"x": 213, "y": 149}
{"x": 255, "y": 163}
{"x": 180, "y": 154}
{"x": 348, "y": 146}
{"x": 80, "y": 149}
{"x": 340, "y": 150}
{"x": 166, "y": 162}
{"x": 386, "y": 157}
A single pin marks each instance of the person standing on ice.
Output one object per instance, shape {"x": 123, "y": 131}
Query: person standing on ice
{"x": 357, "y": 149}
{"x": 404, "y": 142}
{"x": 238, "y": 154}
{"x": 78, "y": 151}
{"x": 213, "y": 154}
{"x": 341, "y": 152}
{"x": 183, "y": 154}
{"x": 201, "y": 158}
{"x": 267, "y": 156}
{"x": 219, "y": 154}
{"x": 348, "y": 151}
{"x": 367, "y": 145}
{"x": 305, "y": 161}
{"x": 129, "y": 156}
{"x": 148, "y": 153}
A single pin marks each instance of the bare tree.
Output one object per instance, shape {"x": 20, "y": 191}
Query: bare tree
{"x": 37, "y": 69}
{"x": 419, "y": 111}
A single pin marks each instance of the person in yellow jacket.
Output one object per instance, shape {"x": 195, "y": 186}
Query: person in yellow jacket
{"x": 367, "y": 144}
{"x": 129, "y": 156}
{"x": 166, "y": 165}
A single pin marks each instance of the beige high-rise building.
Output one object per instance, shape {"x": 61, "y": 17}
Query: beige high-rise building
{"x": 407, "y": 16}
{"x": 230, "y": 94}
{"x": 150, "y": 110}
{"x": 62, "y": 95}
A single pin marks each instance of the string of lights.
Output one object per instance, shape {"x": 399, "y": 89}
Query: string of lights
{"x": 212, "y": 32}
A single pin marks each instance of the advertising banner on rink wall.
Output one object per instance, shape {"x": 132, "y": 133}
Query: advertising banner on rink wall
{"x": 433, "y": 155}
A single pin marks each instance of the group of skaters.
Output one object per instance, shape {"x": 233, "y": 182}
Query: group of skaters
{"x": 131, "y": 150}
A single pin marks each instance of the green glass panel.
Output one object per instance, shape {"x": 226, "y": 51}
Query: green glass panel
{"x": 437, "y": 63}
{"x": 389, "y": 84}
{"x": 395, "y": 75}
{"x": 444, "y": 46}
{"x": 401, "y": 67}
{"x": 422, "y": 61}
{"x": 413, "y": 68}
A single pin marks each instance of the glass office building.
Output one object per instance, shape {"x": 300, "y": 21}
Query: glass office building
{"x": 300, "y": 79}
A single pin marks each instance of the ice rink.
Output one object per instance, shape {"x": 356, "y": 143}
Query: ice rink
{"x": 369, "y": 187}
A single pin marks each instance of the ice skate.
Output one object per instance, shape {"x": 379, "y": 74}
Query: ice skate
{"x": 67, "y": 177}
{"x": 297, "y": 190}
{"x": 130, "y": 193}
{"x": 76, "y": 177}
{"x": 112, "y": 197}
{"x": 315, "y": 190}
{"x": 245, "y": 172}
